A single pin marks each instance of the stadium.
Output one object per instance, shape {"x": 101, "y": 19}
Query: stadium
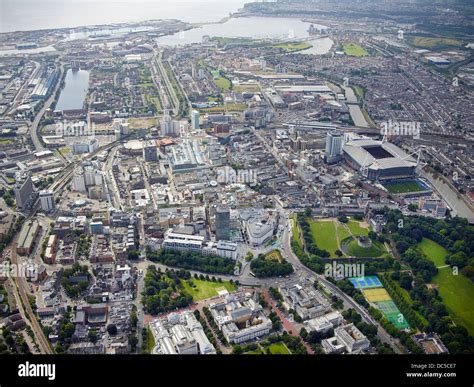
{"x": 379, "y": 160}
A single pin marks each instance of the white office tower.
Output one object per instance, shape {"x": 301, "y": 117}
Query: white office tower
{"x": 150, "y": 152}
{"x": 121, "y": 129}
{"x": 89, "y": 175}
{"x": 47, "y": 200}
{"x": 23, "y": 190}
{"x": 200, "y": 74}
{"x": 93, "y": 177}
{"x": 79, "y": 182}
{"x": 195, "y": 120}
{"x": 334, "y": 144}
{"x": 88, "y": 145}
{"x": 166, "y": 124}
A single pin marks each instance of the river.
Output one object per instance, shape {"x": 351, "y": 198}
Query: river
{"x": 457, "y": 205}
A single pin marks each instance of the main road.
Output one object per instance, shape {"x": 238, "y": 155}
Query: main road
{"x": 300, "y": 268}
{"x": 22, "y": 285}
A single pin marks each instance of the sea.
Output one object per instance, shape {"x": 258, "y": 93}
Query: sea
{"x": 27, "y": 15}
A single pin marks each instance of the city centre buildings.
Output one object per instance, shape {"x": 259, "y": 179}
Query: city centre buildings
{"x": 180, "y": 334}
{"x": 240, "y": 317}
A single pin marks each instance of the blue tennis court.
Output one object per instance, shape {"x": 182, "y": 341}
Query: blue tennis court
{"x": 366, "y": 282}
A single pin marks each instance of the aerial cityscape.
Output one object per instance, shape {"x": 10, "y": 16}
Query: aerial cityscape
{"x": 289, "y": 177}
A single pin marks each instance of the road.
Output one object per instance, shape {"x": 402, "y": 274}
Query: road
{"x": 29, "y": 314}
{"x": 290, "y": 327}
{"x": 303, "y": 270}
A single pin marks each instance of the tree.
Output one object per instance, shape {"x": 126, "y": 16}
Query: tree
{"x": 263, "y": 267}
{"x": 237, "y": 350}
{"x": 112, "y": 329}
{"x": 343, "y": 219}
{"x": 303, "y": 333}
{"x": 92, "y": 335}
{"x": 133, "y": 255}
{"x": 133, "y": 340}
{"x": 405, "y": 281}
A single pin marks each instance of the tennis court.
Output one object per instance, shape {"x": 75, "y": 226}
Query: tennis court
{"x": 376, "y": 295}
{"x": 391, "y": 312}
{"x": 366, "y": 282}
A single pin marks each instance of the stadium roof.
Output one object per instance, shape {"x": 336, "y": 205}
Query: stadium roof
{"x": 356, "y": 150}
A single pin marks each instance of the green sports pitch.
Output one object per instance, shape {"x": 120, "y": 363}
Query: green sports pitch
{"x": 405, "y": 186}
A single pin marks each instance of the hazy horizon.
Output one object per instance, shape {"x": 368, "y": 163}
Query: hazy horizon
{"x": 26, "y": 15}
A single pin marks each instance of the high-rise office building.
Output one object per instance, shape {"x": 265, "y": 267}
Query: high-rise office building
{"x": 222, "y": 223}
{"x": 166, "y": 124}
{"x": 334, "y": 144}
{"x": 195, "y": 120}
{"x": 150, "y": 152}
{"x": 24, "y": 191}
{"x": 47, "y": 200}
{"x": 87, "y": 145}
{"x": 121, "y": 129}
{"x": 79, "y": 182}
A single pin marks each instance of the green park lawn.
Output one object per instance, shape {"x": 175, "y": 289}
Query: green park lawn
{"x": 433, "y": 251}
{"x": 274, "y": 255}
{"x": 150, "y": 341}
{"x": 256, "y": 352}
{"x": 433, "y": 42}
{"x": 324, "y": 234}
{"x": 342, "y": 232}
{"x": 359, "y": 91}
{"x": 357, "y": 229}
{"x": 275, "y": 349}
{"x": 279, "y": 349}
{"x": 5, "y": 141}
{"x": 293, "y": 46}
{"x": 220, "y": 81}
{"x": 152, "y": 100}
{"x": 374, "y": 251}
{"x": 354, "y": 50}
{"x": 235, "y": 107}
{"x": 206, "y": 289}
{"x": 294, "y": 231}
{"x": 246, "y": 87}
{"x": 456, "y": 291}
